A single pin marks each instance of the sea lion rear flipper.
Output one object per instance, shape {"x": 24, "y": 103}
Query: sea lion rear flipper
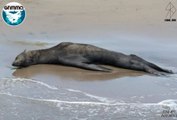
{"x": 81, "y": 62}
{"x": 151, "y": 64}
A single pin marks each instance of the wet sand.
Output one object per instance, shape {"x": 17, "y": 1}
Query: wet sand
{"x": 132, "y": 27}
{"x": 74, "y": 73}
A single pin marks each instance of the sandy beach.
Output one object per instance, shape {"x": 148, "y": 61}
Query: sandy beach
{"x": 77, "y": 20}
{"x": 67, "y": 93}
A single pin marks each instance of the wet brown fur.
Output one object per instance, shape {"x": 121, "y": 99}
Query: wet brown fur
{"x": 87, "y": 57}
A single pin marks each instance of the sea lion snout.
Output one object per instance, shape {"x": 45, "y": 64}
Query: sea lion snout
{"x": 18, "y": 64}
{"x": 15, "y": 63}
{"x": 20, "y": 60}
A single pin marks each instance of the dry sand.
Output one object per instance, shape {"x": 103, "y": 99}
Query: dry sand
{"x": 78, "y": 19}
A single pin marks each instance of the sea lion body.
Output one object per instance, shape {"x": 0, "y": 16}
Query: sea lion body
{"x": 87, "y": 57}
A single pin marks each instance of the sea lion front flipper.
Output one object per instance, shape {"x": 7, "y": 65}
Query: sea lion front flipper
{"x": 81, "y": 62}
{"x": 96, "y": 67}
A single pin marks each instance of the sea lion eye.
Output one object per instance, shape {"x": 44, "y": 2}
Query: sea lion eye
{"x": 16, "y": 58}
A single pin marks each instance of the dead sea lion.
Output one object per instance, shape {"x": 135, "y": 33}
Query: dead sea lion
{"x": 87, "y": 57}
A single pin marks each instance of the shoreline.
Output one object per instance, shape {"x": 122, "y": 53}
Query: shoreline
{"x": 131, "y": 27}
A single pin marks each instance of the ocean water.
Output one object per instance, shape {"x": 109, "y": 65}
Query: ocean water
{"x": 31, "y": 99}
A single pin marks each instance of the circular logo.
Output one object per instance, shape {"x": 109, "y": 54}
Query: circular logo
{"x": 13, "y": 13}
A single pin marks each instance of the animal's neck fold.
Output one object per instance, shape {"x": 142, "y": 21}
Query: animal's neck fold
{"x": 46, "y": 56}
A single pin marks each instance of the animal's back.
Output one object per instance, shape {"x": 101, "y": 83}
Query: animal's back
{"x": 90, "y": 52}
{"x": 74, "y": 48}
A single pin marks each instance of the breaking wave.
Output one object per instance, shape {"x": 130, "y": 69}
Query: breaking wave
{"x": 75, "y": 104}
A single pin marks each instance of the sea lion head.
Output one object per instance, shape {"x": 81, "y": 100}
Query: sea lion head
{"x": 24, "y": 59}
